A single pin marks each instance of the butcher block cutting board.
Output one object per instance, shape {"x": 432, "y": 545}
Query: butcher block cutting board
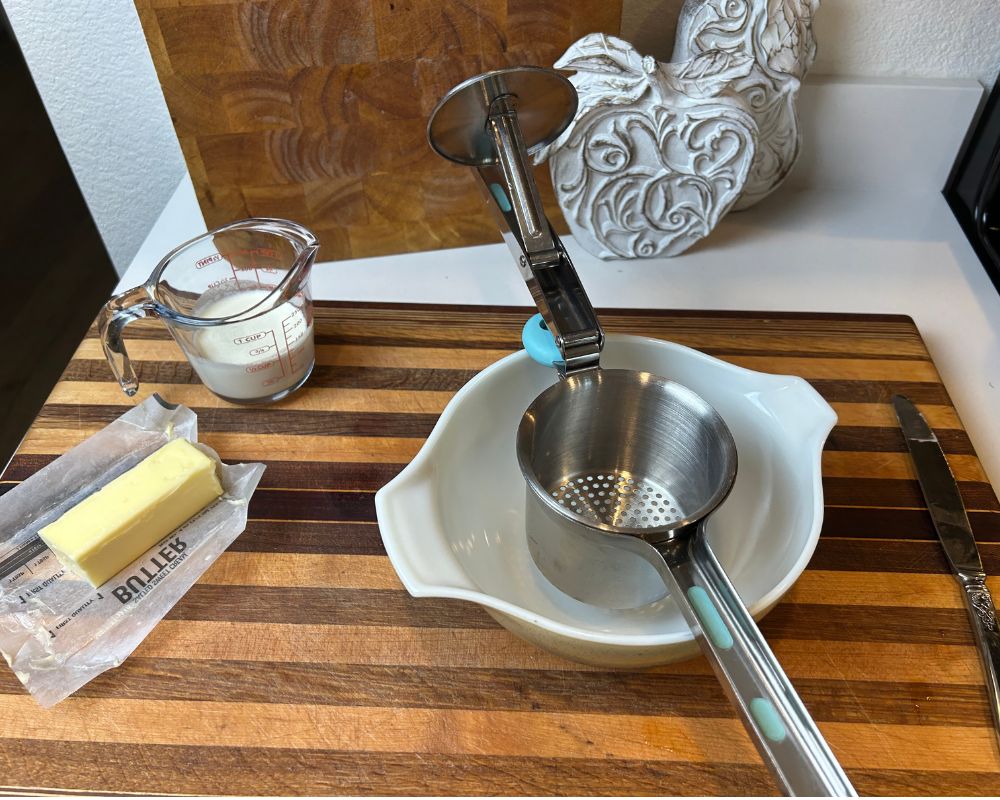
{"x": 317, "y": 111}
{"x": 298, "y": 664}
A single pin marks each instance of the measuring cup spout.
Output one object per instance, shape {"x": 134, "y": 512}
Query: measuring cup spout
{"x": 116, "y": 314}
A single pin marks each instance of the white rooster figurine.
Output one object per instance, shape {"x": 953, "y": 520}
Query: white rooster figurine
{"x": 659, "y": 152}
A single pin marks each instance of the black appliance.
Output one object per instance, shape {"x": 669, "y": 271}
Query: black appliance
{"x": 973, "y": 188}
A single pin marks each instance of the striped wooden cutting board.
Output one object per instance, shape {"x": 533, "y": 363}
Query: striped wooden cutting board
{"x": 299, "y": 665}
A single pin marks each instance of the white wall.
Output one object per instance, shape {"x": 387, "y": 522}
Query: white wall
{"x": 92, "y": 68}
{"x": 867, "y": 38}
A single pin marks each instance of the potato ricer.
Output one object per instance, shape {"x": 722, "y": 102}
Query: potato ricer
{"x": 622, "y": 467}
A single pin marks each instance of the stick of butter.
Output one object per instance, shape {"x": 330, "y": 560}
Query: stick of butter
{"x": 118, "y": 523}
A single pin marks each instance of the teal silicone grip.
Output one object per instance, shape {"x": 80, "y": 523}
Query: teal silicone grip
{"x": 767, "y": 719}
{"x": 500, "y": 196}
{"x": 539, "y": 343}
{"x": 711, "y": 622}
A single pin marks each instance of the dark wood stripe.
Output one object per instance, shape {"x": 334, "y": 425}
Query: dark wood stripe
{"x": 89, "y": 369}
{"x": 851, "y": 391}
{"x": 510, "y": 340}
{"x": 883, "y": 624}
{"x": 873, "y": 555}
{"x": 295, "y": 605}
{"x": 290, "y": 504}
{"x": 323, "y": 376}
{"x": 889, "y": 523}
{"x": 251, "y": 418}
{"x": 890, "y": 440}
{"x": 932, "y": 782}
{"x": 328, "y": 474}
{"x": 899, "y": 493}
{"x": 275, "y": 771}
{"x": 543, "y": 691}
{"x": 887, "y": 493}
{"x": 23, "y": 466}
{"x": 913, "y": 523}
{"x": 459, "y": 314}
{"x": 295, "y": 536}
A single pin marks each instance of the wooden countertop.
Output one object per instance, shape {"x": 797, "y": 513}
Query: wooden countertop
{"x": 298, "y": 664}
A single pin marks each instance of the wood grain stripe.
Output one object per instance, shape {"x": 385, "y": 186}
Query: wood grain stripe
{"x": 891, "y": 493}
{"x": 107, "y": 393}
{"x": 900, "y": 523}
{"x": 477, "y": 359}
{"x": 197, "y": 396}
{"x": 711, "y": 334}
{"x": 904, "y": 556}
{"x": 882, "y": 415}
{"x": 542, "y": 691}
{"x": 890, "y": 440}
{"x": 323, "y": 376}
{"x": 372, "y": 476}
{"x": 258, "y": 771}
{"x": 846, "y": 464}
{"x": 236, "y": 420}
{"x": 295, "y": 605}
{"x": 814, "y": 586}
{"x": 501, "y": 733}
{"x": 348, "y": 355}
{"x": 251, "y": 447}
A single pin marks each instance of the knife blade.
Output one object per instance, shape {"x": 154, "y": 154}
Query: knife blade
{"x": 944, "y": 502}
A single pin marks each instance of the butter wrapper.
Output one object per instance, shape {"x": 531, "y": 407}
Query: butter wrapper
{"x": 56, "y": 631}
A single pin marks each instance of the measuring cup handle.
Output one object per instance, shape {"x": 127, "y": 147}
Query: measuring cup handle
{"x": 118, "y": 312}
{"x": 774, "y": 715}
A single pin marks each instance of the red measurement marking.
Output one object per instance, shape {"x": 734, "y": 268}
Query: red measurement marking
{"x": 278, "y": 351}
{"x": 260, "y": 367}
{"x": 213, "y": 284}
{"x": 298, "y": 319}
{"x": 204, "y": 262}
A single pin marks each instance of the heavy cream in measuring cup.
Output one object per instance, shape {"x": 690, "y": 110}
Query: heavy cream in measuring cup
{"x": 256, "y": 358}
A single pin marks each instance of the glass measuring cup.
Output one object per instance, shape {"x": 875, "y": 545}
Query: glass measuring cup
{"x": 237, "y": 301}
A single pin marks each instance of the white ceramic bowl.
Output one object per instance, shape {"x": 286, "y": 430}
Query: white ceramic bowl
{"x": 453, "y": 520}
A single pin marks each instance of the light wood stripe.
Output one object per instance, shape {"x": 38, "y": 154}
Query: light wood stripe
{"x": 253, "y": 447}
{"x": 822, "y": 587}
{"x": 311, "y": 399}
{"x": 460, "y": 358}
{"x": 878, "y": 415}
{"x": 498, "y": 733}
{"x": 847, "y": 464}
{"x": 841, "y": 368}
{"x": 299, "y": 569}
{"x": 892, "y": 589}
{"x": 881, "y": 415}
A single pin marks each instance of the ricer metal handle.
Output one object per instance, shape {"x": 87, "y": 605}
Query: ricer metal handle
{"x": 545, "y": 266}
{"x": 478, "y": 123}
{"x": 118, "y": 312}
{"x": 778, "y": 723}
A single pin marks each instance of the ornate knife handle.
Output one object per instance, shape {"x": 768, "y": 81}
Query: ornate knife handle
{"x": 979, "y": 603}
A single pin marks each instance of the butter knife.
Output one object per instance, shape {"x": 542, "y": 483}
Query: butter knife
{"x": 952, "y": 525}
